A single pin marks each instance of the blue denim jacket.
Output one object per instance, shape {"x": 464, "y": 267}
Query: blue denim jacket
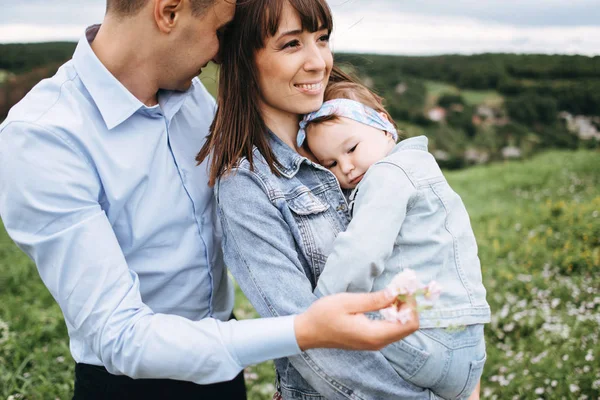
{"x": 277, "y": 233}
{"x": 406, "y": 215}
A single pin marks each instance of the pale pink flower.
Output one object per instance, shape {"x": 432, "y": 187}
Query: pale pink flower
{"x": 405, "y": 283}
{"x": 404, "y": 315}
{"x": 433, "y": 291}
{"x": 390, "y": 313}
{"x": 393, "y": 315}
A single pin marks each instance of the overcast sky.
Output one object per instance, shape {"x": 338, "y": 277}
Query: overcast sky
{"x": 379, "y": 26}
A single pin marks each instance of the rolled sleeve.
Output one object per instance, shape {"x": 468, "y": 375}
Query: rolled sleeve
{"x": 49, "y": 204}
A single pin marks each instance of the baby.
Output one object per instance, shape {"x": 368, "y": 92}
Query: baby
{"x": 404, "y": 215}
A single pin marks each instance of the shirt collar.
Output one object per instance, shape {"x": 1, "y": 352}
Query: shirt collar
{"x": 115, "y": 102}
{"x": 288, "y": 158}
{"x": 417, "y": 143}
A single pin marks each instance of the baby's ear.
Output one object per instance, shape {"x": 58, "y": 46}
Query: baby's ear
{"x": 382, "y": 115}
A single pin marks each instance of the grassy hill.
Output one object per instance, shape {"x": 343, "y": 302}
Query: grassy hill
{"x": 538, "y": 228}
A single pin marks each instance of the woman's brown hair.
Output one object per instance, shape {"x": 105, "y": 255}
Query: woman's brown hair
{"x": 238, "y": 125}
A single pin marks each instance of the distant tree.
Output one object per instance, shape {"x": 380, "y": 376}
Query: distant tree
{"x": 558, "y": 136}
{"x": 531, "y": 109}
{"x": 462, "y": 119}
{"x": 448, "y": 99}
{"x": 24, "y": 57}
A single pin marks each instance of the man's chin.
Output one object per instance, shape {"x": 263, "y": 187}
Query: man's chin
{"x": 184, "y": 86}
{"x": 178, "y": 86}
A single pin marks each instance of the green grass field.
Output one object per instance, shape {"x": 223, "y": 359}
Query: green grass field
{"x": 436, "y": 89}
{"x": 538, "y": 227}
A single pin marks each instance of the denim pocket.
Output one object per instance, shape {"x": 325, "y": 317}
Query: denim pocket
{"x": 307, "y": 203}
{"x": 316, "y": 226}
{"x": 475, "y": 372}
{"x": 406, "y": 358}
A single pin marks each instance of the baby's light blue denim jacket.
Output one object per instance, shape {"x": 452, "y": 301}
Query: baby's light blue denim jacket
{"x": 277, "y": 234}
{"x": 406, "y": 215}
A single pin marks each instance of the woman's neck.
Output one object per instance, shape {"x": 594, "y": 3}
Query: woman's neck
{"x": 284, "y": 125}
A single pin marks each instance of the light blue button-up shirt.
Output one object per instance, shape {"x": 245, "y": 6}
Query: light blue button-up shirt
{"x": 103, "y": 193}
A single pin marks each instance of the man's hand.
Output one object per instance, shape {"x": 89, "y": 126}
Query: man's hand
{"x": 338, "y": 321}
{"x": 475, "y": 394}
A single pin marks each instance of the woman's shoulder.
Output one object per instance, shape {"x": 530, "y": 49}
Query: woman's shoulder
{"x": 248, "y": 172}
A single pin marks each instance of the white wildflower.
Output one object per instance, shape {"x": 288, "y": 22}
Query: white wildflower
{"x": 4, "y": 332}
{"x": 573, "y": 388}
{"x": 539, "y": 357}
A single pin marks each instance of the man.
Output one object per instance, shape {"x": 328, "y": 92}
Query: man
{"x": 98, "y": 186}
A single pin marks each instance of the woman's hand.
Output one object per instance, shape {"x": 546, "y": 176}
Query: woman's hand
{"x": 337, "y": 321}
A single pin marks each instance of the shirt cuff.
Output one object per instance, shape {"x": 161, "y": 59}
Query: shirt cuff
{"x": 320, "y": 291}
{"x": 253, "y": 341}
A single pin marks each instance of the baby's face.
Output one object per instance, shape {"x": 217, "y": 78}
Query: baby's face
{"x": 348, "y": 148}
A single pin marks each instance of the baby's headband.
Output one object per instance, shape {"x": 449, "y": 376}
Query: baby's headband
{"x": 350, "y": 109}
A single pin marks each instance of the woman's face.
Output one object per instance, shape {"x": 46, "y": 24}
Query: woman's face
{"x": 293, "y": 67}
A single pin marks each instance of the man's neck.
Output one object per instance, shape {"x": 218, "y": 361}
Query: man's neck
{"x": 125, "y": 54}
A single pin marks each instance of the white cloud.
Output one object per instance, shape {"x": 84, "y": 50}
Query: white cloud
{"x": 394, "y": 33}
{"x": 20, "y": 33}
{"x": 380, "y": 28}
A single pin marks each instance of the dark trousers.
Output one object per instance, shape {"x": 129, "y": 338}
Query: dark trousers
{"x": 96, "y": 383}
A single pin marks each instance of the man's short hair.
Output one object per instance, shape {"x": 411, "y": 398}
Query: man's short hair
{"x": 131, "y": 7}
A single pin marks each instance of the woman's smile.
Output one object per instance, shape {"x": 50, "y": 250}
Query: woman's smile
{"x": 311, "y": 88}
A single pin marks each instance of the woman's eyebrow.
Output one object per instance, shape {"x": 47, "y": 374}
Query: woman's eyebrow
{"x": 289, "y": 33}
{"x": 299, "y": 31}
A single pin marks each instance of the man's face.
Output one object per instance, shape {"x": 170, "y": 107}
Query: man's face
{"x": 197, "y": 41}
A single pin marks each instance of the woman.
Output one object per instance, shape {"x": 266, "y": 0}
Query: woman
{"x": 280, "y": 212}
